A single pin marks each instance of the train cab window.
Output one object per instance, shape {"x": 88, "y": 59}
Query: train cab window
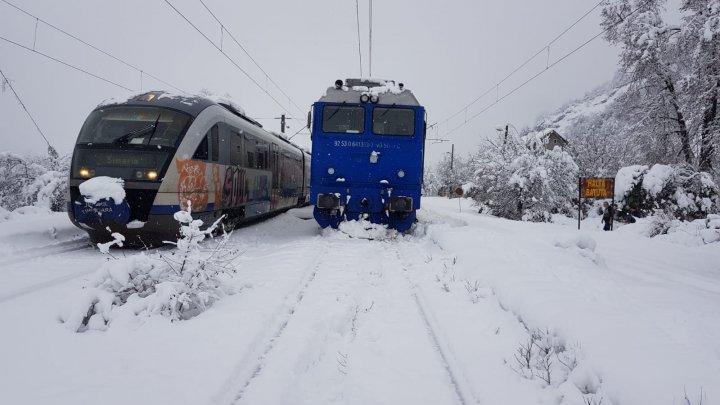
{"x": 393, "y": 121}
{"x": 343, "y": 119}
{"x": 133, "y": 125}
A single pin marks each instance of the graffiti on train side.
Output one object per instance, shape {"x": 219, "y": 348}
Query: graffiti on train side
{"x": 240, "y": 187}
{"x": 191, "y": 184}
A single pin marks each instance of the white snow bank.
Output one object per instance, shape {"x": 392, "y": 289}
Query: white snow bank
{"x": 103, "y": 187}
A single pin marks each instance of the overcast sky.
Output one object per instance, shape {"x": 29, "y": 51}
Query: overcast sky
{"x": 447, "y": 52}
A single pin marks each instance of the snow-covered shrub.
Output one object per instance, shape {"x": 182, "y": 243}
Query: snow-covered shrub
{"x": 677, "y": 191}
{"x": 546, "y": 357}
{"x": 178, "y": 285}
{"x": 530, "y": 185}
{"x": 39, "y": 181}
{"x": 690, "y": 233}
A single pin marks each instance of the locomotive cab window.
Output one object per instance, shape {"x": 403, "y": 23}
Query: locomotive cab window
{"x": 343, "y": 119}
{"x": 393, "y": 121}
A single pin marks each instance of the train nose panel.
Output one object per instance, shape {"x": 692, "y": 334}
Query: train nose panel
{"x": 103, "y": 211}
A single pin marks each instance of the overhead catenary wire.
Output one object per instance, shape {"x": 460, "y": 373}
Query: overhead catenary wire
{"x": 80, "y": 40}
{"x": 545, "y": 49}
{"x": 7, "y": 81}
{"x": 230, "y": 59}
{"x": 548, "y": 67}
{"x": 106, "y": 80}
{"x": 223, "y": 28}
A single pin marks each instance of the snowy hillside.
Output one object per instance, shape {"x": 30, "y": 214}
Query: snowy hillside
{"x": 596, "y": 102}
{"x": 468, "y": 309}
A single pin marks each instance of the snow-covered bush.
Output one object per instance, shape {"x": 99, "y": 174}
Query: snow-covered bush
{"x": 178, "y": 285}
{"x": 678, "y": 191}
{"x": 39, "y": 181}
{"x": 530, "y": 185}
{"x": 546, "y": 357}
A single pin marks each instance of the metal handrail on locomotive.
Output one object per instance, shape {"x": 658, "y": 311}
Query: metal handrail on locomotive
{"x": 171, "y": 149}
{"x": 368, "y": 150}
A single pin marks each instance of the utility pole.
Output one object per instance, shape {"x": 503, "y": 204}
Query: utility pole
{"x": 370, "y": 38}
{"x": 452, "y": 156}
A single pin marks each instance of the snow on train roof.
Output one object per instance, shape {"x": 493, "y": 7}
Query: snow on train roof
{"x": 187, "y": 103}
{"x": 387, "y": 91}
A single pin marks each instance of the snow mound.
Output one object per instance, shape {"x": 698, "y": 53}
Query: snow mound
{"x": 581, "y": 241}
{"x": 102, "y": 187}
{"x": 364, "y": 229}
{"x": 692, "y": 233}
{"x": 583, "y": 244}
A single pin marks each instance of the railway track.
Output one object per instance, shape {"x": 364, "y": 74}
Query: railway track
{"x": 252, "y": 364}
{"x": 459, "y": 382}
{"x": 47, "y": 250}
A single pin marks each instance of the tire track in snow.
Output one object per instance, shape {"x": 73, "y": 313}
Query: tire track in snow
{"x": 253, "y": 363}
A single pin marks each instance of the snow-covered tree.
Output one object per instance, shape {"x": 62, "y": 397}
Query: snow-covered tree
{"x": 699, "y": 50}
{"x": 40, "y": 181}
{"x": 648, "y": 58}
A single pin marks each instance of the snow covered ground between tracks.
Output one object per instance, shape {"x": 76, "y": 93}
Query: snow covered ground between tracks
{"x": 437, "y": 317}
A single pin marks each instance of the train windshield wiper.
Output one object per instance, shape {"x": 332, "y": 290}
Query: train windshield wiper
{"x": 130, "y": 135}
{"x": 387, "y": 110}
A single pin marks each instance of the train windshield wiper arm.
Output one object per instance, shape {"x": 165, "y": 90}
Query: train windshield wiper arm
{"x": 154, "y": 128}
{"x": 130, "y": 135}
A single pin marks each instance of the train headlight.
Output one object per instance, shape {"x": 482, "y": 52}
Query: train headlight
{"x": 401, "y": 173}
{"x": 331, "y": 170}
{"x": 152, "y": 175}
{"x": 364, "y": 98}
{"x": 401, "y": 204}
{"x": 328, "y": 201}
{"x": 84, "y": 172}
{"x": 374, "y": 99}
{"x": 139, "y": 174}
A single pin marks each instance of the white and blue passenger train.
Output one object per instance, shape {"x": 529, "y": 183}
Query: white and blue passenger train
{"x": 173, "y": 149}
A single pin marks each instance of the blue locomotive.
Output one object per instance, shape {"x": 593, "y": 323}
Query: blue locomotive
{"x": 367, "y": 151}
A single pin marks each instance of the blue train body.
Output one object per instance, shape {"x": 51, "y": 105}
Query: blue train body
{"x": 367, "y": 152}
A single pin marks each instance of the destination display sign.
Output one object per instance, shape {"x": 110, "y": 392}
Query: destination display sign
{"x": 597, "y": 187}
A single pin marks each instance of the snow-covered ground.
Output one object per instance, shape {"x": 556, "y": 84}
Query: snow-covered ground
{"x": 469, "y": 309}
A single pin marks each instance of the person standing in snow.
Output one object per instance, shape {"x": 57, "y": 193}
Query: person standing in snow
{"x": 607, "y": 218}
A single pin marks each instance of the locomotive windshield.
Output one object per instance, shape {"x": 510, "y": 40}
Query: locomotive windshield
{"x": 393, "y": 121}
{"x": 343, "y": 119}
{"x": 134, "y": 126}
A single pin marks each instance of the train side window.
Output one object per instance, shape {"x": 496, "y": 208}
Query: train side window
{"x": 202, "y": 151}
{"x": 236, "y": 149}
{"x": 393, "y": 121}
{"x": 343, "y": 119}
{"x": 250, "y": 152}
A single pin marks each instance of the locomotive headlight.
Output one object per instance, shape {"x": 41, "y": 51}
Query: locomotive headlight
{"x": 331, "y": 170}
{"x": 364, "y": 98}
{"x": 374, "y": 99}
{"x": 401, "y": 173}
{"x": 139, "y": 174}
{"x": 84, "y": 172}
{"x": 152, "y": 175}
